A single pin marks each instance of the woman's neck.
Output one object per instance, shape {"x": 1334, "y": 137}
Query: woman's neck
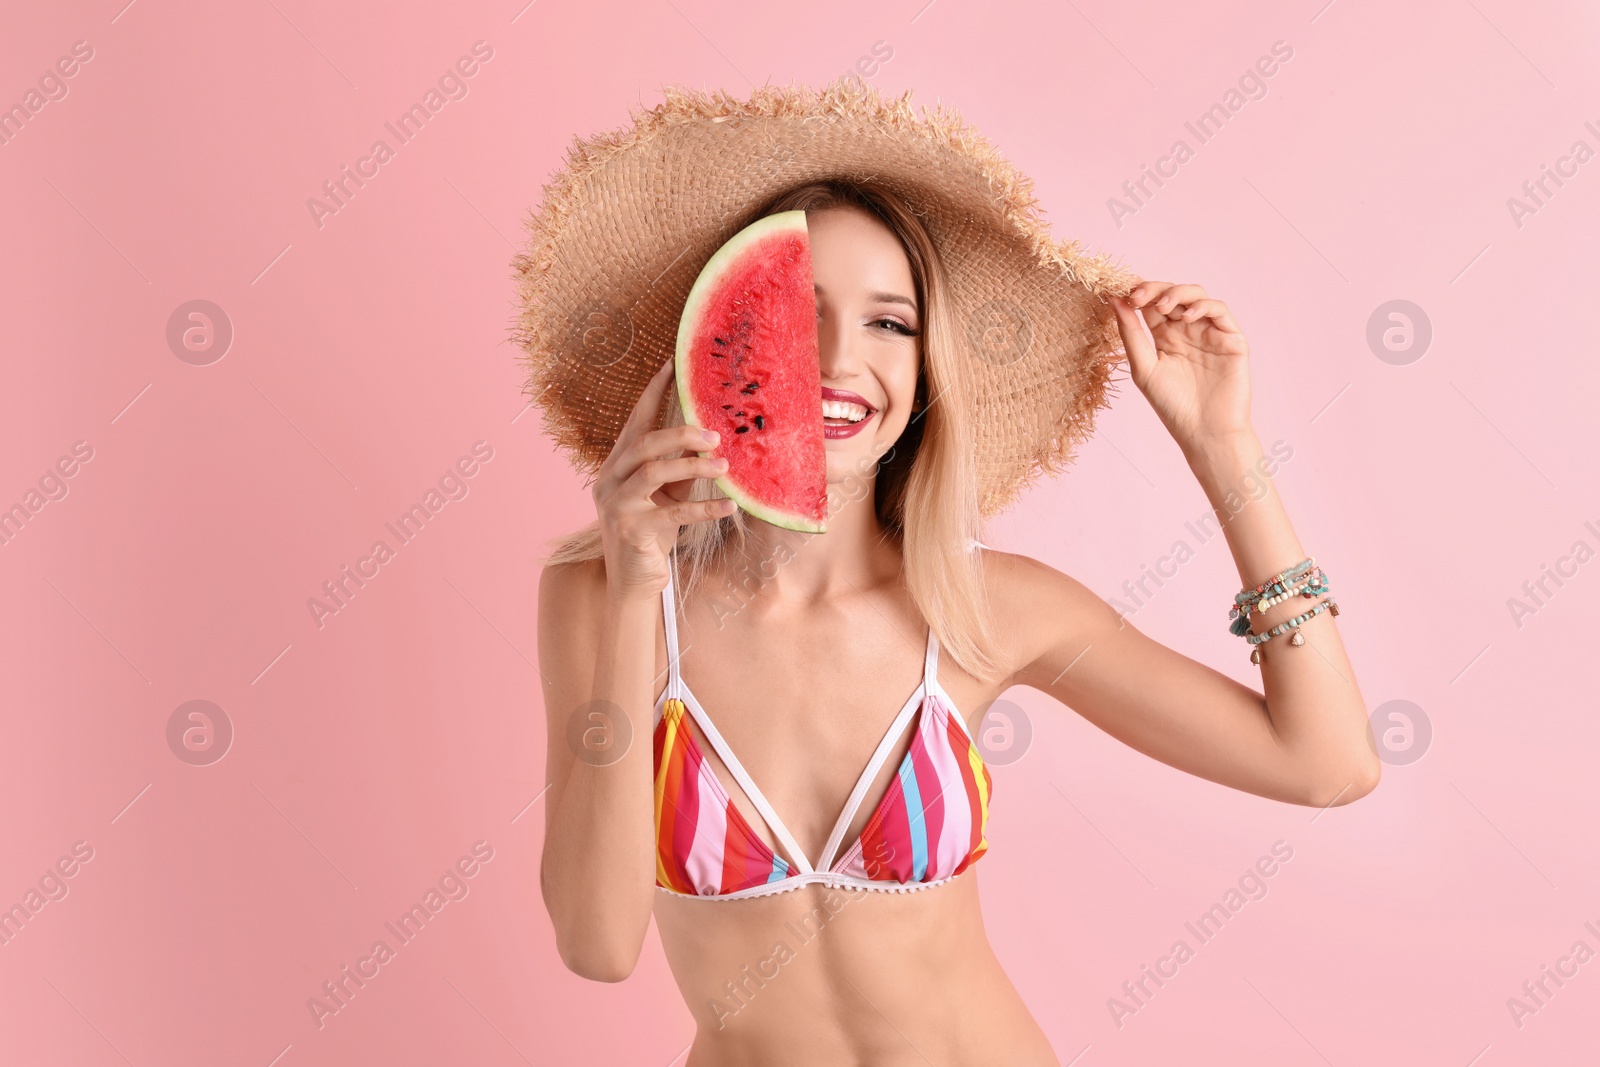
{"x": 798, "y": 568}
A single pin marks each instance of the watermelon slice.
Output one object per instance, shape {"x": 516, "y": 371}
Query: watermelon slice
{"x": 747, "y": 367}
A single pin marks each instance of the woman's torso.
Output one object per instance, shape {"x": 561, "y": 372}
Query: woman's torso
{"x": 820, "y": 973}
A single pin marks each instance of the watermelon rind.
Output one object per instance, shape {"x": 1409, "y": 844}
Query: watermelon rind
{"x": 764, "y": 227}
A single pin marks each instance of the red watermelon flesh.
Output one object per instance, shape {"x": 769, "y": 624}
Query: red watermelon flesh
{"x": 747, "y": 367}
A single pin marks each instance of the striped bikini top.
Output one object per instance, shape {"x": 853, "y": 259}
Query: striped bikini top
{"x": 928, "y": 828}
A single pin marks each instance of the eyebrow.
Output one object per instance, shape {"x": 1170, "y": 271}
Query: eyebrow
{"x": 883, "y": 298}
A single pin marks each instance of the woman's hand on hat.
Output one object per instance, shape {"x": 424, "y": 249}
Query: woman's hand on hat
{"x": 1191, "y": 365}
{"x": 643, "y": 498}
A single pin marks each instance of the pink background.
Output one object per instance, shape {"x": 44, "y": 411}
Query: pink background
{"x": 370, "y": 354}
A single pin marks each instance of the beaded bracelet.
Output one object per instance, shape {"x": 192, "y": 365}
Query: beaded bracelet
{"x": 1277, "y": 586}
{"x": 1329, "y": 605}
{"x": 1245, "y": 598}
{"x": 1315, "y": 584}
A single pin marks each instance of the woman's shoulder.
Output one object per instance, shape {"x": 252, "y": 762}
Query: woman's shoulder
{"x": 573, "y": 587}
{"x": 1025, "y": 593}
{"x": 1015, "y": 572}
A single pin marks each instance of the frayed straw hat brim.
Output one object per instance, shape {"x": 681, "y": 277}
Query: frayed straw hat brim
{"x": 634, "y": 214}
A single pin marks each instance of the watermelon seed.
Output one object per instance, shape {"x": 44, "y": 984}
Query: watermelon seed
{"x": 741, "y": 429}
{"x": 738, "y": 413}
{"x": 759, "y": 421}
{"x": 719, "y": 340}
{"x": 725, "y": 407}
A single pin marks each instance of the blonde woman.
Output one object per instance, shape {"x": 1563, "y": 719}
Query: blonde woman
{"x": 764, "y": 738}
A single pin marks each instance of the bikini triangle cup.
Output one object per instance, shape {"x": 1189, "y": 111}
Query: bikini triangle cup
{"x": 927, "y": 828}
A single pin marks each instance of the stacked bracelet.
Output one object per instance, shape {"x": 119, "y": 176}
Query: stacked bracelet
{"x": 1304, "y": 579}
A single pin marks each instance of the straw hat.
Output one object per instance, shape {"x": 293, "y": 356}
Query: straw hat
{"x": 628, "y": 222}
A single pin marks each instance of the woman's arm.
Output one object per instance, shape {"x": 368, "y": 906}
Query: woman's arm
{"x": 597, "y": 654}
{"x": 1306, "y": 740}
{"x": 597, "y": 874}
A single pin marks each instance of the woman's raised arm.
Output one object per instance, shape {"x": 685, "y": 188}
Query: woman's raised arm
{"x": 597, "y": 640}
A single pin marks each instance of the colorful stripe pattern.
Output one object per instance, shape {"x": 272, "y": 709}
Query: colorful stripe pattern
{"x": 930, "y": 824}
{"x": 704, "y": 847}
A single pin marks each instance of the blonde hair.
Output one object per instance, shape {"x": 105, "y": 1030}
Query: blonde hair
{"x": 925, "y": 492}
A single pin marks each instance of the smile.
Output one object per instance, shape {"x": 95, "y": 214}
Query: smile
{"x": 844, "y": 413}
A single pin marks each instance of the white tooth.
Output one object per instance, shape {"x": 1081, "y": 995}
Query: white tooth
{"x": 840, "y": 409}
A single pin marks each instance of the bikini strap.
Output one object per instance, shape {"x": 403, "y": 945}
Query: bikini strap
{"x": 669, "y": 610}
{"x": 930, "y": 667}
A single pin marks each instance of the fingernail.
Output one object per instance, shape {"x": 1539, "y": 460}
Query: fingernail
{"x": 711, "y": 437}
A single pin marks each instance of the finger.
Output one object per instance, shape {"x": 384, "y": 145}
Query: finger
{"x": 700, "y": 510}
{"x": 658, "y": 443}
{"x": 1215, "y": 310}
{"x": 1174, "y": 295}
{"x": 1136, "y": 340}
{"x": 1145, "y": 292}
{"x": 652, "y": 445}
{"x": 641, "y": 486}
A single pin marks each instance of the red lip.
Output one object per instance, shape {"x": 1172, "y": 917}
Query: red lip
{"x": 835, "y": 433}
{"x": 848, "y": 397}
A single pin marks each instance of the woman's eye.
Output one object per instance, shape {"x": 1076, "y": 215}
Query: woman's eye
{"x": 897, "y": 327}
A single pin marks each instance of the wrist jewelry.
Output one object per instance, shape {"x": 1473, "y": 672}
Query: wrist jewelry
{"x": 1275, "y": 590}
{"x": 1290, "y": 624}
{"x": 1304, "y": 579}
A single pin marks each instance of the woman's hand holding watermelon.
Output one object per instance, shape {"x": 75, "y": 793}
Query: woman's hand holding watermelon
{"x": 643, "y": 498}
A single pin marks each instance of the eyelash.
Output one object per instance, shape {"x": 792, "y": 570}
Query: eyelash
{"x": 898, "y": 327}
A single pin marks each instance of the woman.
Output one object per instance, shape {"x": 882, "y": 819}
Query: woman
{"x": 655, "y": 622}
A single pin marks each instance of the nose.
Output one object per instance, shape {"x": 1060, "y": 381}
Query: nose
{"x": 836, "y": 342}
